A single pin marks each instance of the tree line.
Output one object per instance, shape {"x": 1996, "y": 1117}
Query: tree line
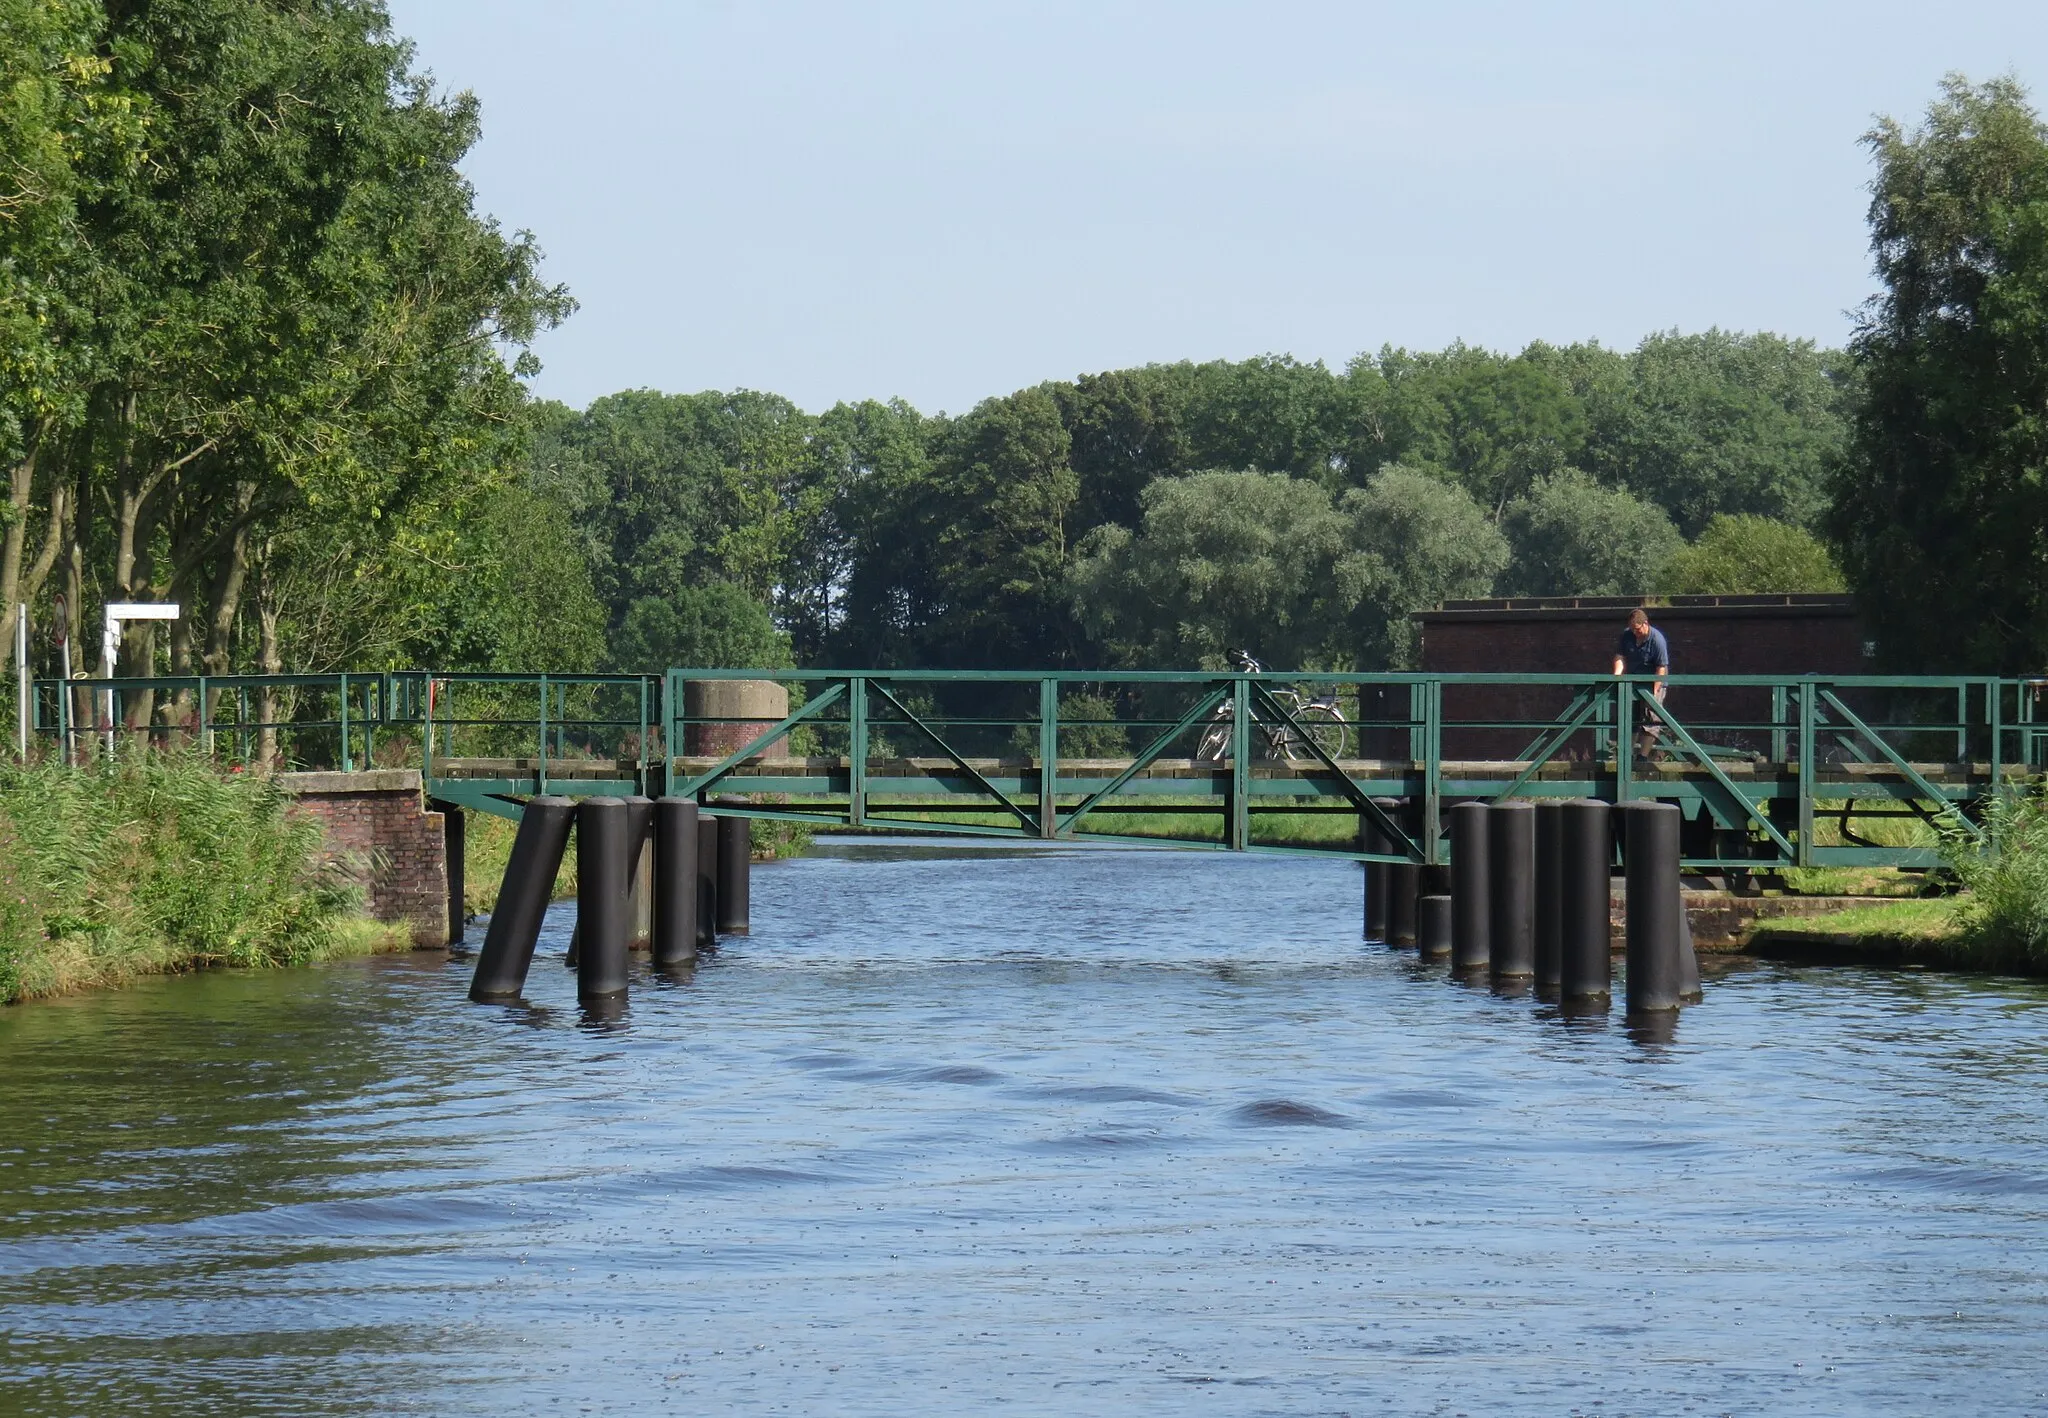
{"x": 261, "y": 355}
{"x": 1164, "y": 514}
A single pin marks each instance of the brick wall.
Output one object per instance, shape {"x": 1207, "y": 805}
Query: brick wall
{"x": 1723, "y": 635}
{"x": 378, "y": 831}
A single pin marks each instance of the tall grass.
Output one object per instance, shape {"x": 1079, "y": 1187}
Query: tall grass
{"x": 2006, "y": 874}
{"x": 151, "y": 863}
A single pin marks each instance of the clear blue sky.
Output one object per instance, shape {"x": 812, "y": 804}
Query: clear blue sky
{"x": 945, "y": 201}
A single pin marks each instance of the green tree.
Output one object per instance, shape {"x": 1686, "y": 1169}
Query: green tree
{"x": 993, "y": 525}
{"x": 1572, "y": 537}
{"x": 1941, "y": 511}
{"x": 1221, "y": 561}
{"x": 1419, "y": 541}
{"x": 1739, "y": 555}
{"x": 1723, "y": 423}
{"x": 715, "y": 626}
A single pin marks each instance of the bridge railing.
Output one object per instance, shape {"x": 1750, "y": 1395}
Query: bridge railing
{"x": 1772, "y": 767}
{"x": 542, "y": 726}
{"x": 1799, "y": 770}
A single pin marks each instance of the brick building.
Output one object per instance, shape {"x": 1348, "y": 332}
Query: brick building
{"x": 1719, "y": 635}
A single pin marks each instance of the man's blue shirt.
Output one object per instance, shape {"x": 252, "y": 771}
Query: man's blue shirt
{"x": 1645, "y": 656}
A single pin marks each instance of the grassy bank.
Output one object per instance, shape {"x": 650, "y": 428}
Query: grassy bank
{"x": 160, "y": 863}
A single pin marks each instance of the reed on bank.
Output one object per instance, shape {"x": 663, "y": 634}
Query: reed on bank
{"x": 158, "y": 862}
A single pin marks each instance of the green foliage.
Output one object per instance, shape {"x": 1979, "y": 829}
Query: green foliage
{"x": 702, "y": 627}
{"x": 1223, "y": 561}
{"x": 1750, "y": 556}
{"x": 2006, "y": 875}
{"x": 1573, "y": 537}
{"x": 1419, "y": 541}
{"x": 156, "y": 863}
{"x": 1941, "y": 513}
{"x": 1718, "y": 423}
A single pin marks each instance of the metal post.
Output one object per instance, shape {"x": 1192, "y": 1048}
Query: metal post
{"x": 1433, "y": 773}
{"x": 675, "y": 881}
{"x": 1585, "y": 930}
{"x": 1239, "y": 829}
{"x": 1654, "y": 918}
{"x": 541, "y": 775}
{"x": 857, "y": 750}
{"x": 603, "y": 833}
{"x": 205, "y": 727}
{"x": 21, "y": 682}
{"x": 1471, "y": 907}
{"x": 735, "y": 866}
{"x": 1549, "y": 894}
{"x": 523, "y": 896}
{"x": 1807, "y": 721}
{"x": 347, "y": 762}
{"x": 1780, "y": 709}
{"x": 1048, "y": 758}
{"x": 1511, "y": 888}
{"x": 1624, "y": 739}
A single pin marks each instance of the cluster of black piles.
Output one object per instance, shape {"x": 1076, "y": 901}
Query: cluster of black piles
{"x": 697, "y": 884}
{"x": 1526, "y": 899}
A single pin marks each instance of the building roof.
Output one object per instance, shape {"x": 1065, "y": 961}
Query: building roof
{"x": 1800, "y": 603}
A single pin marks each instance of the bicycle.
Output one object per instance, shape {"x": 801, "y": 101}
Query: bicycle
{"x": 1322, "y": 722}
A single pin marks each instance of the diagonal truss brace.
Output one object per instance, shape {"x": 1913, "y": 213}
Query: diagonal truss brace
{"x": 1143, "y": 761}
{"x": 1366, "y": 806}
{"x": 1892, "y": 755}
{"x": 738, "y": 756}
{"x": 965, "y": 767}
{"x": 1555, "y": 737}
{"x": 1706, "y": 760}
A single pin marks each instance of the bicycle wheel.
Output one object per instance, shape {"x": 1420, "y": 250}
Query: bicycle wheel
{"x": 1326, "y": 726}
{"x": 1214, "y": 745}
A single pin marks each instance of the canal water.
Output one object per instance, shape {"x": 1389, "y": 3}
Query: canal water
{"x": 967, "y": 1130}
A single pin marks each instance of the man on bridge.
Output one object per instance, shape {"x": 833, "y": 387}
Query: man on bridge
{"x": 1642, "y": 650}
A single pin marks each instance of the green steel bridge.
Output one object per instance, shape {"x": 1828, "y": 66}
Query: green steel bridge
{"x": 1770, "y": 772}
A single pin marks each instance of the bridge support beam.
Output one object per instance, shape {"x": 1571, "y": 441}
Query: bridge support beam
{"x": 454, "y": 836}
{"x": 522, "y": 899}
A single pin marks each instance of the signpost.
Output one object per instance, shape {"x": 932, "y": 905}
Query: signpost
{"x": 119, "y": 612}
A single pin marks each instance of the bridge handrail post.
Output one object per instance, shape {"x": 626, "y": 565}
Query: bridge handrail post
{"x": 1994, "y": 719}
{"x": 857, "y": 749}
{"x": 640, "y": 768}
{"x": 1048, "y": 758}
{"x": 1433, "y": 771}
{"x": 1807, "y": 722}
{"x": 541, "y": 772}
{"x": 1237, "y": 831}
{"x": 347, "y": 758}
{"x": 205, "y": 733}
{"x": 1624, "y": 739}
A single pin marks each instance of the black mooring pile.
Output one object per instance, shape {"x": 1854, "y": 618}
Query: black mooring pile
{"x": 698, "y": 878}
{"x": 1527, "y": 898}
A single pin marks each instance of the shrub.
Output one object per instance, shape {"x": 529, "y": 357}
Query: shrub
{"x": 2006, "y": 875}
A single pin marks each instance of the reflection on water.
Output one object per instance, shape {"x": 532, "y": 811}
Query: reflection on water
{"x": 1051, "y": 1131}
